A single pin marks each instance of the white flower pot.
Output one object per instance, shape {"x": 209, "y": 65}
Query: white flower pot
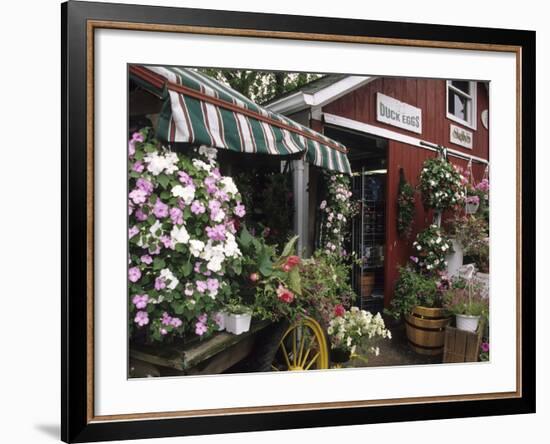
{"x": 471, "y": 208}
{"x": 237, "y": 323}
{"x": 467, "y": 323}
{"x": 454, "y": 260}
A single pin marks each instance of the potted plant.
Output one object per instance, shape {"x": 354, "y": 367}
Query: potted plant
{"x": 441, "y": 184}
{"x": 430, "y": 249}
{"x": 472, "y": 204}
{"x": 464, "y": 299}
{"x": 405, "y": 206}
{"x": 352, "y": 329}
{"x": 418, "y": 302}
{"x": 237, "y": 318}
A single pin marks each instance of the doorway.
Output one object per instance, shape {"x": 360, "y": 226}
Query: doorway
{"x": 368, "y": 156}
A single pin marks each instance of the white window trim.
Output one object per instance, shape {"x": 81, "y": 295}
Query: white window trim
{"x": 473, "y": 97}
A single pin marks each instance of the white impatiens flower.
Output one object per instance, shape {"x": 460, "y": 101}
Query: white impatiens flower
{"x": 218, "y": 216}
{"x": 171, "y": 280}
{"x": 187, "y": 193}
{"x": 156, "y": 229}
{"x": 208, "y": 152}
{"x": 229, "y": 186}
{"x": 231, "y": 248}
{"x": 200, "y": 165}
{"x": 157, "y": 163}
{"x": 179, "y": 235}
{"x": 196, "y": 247}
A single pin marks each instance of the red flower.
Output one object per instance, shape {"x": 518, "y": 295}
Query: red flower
{"x": 284, "y": 294}
{"x": 290, "y": 263}
{"x": 339, "y": 310}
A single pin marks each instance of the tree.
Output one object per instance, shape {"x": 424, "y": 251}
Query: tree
{"x": 260, "y": 86}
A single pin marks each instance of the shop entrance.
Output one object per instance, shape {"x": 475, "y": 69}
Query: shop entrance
{"x": 368, "y": 157}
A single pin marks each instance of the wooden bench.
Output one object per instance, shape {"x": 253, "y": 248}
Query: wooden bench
{"x": 212, "y": 356}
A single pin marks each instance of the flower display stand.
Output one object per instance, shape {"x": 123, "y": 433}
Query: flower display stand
{"x": 195, "y": 357}
{"x": 462, "y": 345}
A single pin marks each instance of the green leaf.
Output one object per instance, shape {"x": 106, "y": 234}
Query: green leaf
{"x": 265, "y": 265}
{"x": 245, "y": 238}
{"x": 163, "y": 179}
{"x": 158, "y": 263}
{"x": 178, "y": 307}
{"x": 138, "y": 155}
{"x": 150, "y": 148}
{"x": 289, "y": 247}
{"x": 186, "y": 268}
{"x": 294, "y": 281}
{"x": 165, "y": 195}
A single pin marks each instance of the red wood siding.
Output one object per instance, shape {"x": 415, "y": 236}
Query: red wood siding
{"x": 427, "y": 94}
{"x": 430, "y": 96}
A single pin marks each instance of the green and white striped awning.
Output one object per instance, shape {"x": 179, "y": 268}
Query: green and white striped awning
{"x": 200, "y": 110}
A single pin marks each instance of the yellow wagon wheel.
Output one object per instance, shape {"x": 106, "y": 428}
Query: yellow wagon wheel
{"x": 302, "y": 347}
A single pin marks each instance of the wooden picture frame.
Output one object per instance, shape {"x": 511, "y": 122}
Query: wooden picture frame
{"x": 79, "y": 22}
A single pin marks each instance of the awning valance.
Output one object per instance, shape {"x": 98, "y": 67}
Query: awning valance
{"x": 200, "y": 110}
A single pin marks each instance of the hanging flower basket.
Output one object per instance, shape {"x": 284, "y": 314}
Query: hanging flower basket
{"x": 472, "y": 204}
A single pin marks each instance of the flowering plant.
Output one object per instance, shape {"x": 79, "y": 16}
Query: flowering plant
{"x": 466, "y": 299}
{"x": 337, "y": 210}
{"x": 441, "y": 184}
{"x": 430, "y": 248}
{"x": 414, "y": 288}
{"x": 405, "y": 208}
{"x": 325, "y": 281}
{"x": 182, "y": 248}
{"x": 351, "y": 328}
{"x": 472, "y": 232}
{"x": 278, "y": 294}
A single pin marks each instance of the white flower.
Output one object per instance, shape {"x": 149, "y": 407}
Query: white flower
{"x": 187, "y": 193}
{"x": 156, "y": 229}
{"x": 228, "y": 185}
{"x": 438, "y": 241}
{"x": 157, "y": 163}
{"x": 215, "y": 264}
{"x": 169, "y": 278}
{"x": 323, "y": 205}
{"x": 196, "y": 247}
{"x": 231, "y": 248}
{"x": 179, "y": 235}
{"x": 199, "y": 164}
{"x": 218, "y": 216}
{"x": 208, "y": 152}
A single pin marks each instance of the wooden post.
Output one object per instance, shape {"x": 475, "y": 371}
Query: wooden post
{"x": 300, "y": 170}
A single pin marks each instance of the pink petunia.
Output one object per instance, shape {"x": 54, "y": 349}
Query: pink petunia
{"x": 142, "y": 318}
{"x": 134, "y": 274}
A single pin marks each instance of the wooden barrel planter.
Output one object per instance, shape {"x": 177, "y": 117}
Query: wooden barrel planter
{"x": 426, "y": 330}
{"x": 367, "y": 284}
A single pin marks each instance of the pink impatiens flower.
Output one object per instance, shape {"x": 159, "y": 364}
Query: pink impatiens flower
{"x": 201, "y": 286}
{"x": 197, "y": 207}
{"x": 146, "y": 259}
{"x": 176, "y": 215}
{"x": 134, "y": 274}
{"x": 239, "y": 210}
{"x": 145, "y": 185}
{"x": 138, "y": 196}
{"x": 160, "y": 209}
{"x": 140, "y": 300}
{"x": 132, "y": 232}
{"x": 142, "y": 318}
{"x": 160, "y": 283}
{"x": 216, "y": 233}
{"x": 200, "y": 328}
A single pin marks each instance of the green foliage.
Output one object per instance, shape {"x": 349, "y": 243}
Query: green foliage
{"x": 414, "y": 288}
{"x": 325, "y": 284}
{"x": 405, "y": 208}
{"x": 466, "y": 299}
{"x": 260, "y": 86}
{"x": 441, "y": 184}
{"x": 472, "y": 232}
{"x": 430, "y": 247}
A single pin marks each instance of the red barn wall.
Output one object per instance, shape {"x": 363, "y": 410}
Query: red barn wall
{"x": 430, "y": 96}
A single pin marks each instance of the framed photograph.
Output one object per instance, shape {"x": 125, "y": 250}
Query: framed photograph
{"x": 276, "y": 221}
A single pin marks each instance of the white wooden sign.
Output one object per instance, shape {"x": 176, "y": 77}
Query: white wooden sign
{"x": 396, "y": 113}
{"x": 461, "y": 137}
